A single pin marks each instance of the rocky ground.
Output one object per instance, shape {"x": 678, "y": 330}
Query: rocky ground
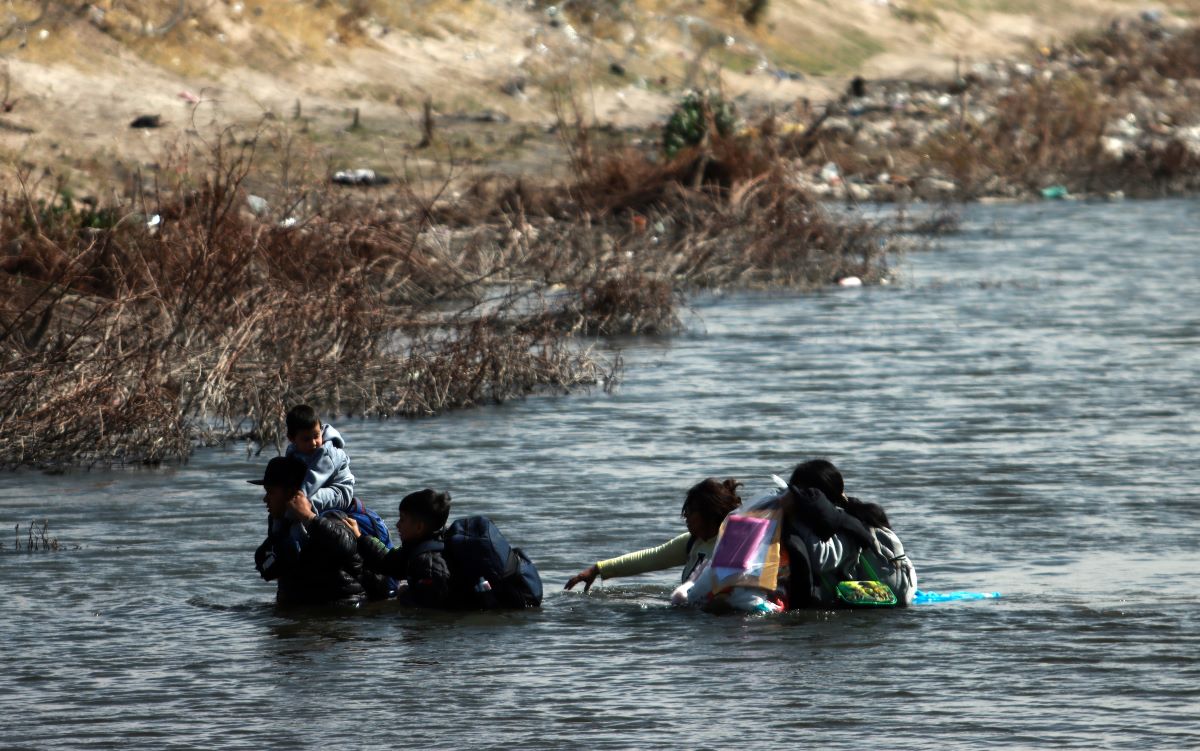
{"x": 1111, "y": 114}
{"x": 348, "y": 84}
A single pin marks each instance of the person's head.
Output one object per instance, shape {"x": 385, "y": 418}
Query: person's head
{"x": 822, "y": 475}
{"x": 304, "y": 428}
{"x": 707, "y": 504}
{"x": 422, "y": 514}
{"x": 281, "y": 480}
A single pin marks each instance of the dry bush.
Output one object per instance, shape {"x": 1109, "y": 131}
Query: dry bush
{"x": 1042, "y": 131}
{"x": 1129, "y": 55}
{"x": 730, "y": 215}
{"x": 129, "y": 340}
{"x": 1179, "y": 56}
{"x": 36, "y": 539}
{"x": 133, "y": 343}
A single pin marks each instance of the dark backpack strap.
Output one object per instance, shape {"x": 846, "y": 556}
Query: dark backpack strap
{"x": 800, "y": 572}
{"x": 432, "y": 545}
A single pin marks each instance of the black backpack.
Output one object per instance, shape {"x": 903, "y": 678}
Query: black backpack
{"x": 485, "y": 571}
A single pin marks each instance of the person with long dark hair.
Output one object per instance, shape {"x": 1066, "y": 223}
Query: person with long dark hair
{"x": 832, "y": 537}
{"x": 705, "y": 507}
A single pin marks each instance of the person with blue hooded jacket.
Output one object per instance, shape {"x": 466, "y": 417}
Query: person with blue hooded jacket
{"x": 329, "y": 483}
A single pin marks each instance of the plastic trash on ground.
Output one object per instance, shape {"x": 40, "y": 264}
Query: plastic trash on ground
{"x": 830, "y": 174}
{"x": 358, "y": 177}
{"x": 257, "y": 204}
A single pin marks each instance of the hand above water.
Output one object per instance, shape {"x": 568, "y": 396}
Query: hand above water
{"x": 587, "y": 576}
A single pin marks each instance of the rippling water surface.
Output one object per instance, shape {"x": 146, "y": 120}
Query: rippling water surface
{"x": 1023, "y": 401}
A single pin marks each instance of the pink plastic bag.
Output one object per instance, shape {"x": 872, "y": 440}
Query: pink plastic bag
{"x": 739, "y": 542}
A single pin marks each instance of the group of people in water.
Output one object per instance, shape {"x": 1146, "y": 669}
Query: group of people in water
{"x": 324, "y": 546}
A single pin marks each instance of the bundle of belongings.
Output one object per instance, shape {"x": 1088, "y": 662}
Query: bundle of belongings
{"x": 794, "y": 548}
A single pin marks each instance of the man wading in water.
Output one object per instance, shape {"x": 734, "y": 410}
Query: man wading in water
{"x": 314, "y": 558}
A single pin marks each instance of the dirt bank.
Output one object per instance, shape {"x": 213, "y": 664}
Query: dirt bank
{"x": 350, "y": 79}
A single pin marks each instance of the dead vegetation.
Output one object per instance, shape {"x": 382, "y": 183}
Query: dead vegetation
{"x": 1051, "y": 128}
{"x": 189, "y": 313}
{"x": 35, "y": 539}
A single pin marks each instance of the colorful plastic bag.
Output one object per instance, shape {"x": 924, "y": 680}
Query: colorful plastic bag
{"x": 747, "y": 551}
{"x": 743, "y": 572}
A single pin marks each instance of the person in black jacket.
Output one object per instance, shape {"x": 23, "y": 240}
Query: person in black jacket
{"x": 824, "y": 532}
{"x": 314, "y": 558}
{"x": 418, "y": 562}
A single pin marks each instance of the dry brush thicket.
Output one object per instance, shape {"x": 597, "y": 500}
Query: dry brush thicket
{"x": 135, "y": 331}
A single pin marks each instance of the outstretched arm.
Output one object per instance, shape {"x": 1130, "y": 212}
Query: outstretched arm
{"x": 671, "y": 553}
{"x": 376, "y": 557}
{"x": 586, "y": 577}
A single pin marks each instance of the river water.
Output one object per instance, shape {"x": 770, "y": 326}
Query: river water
{"x": 1024, "y": 402}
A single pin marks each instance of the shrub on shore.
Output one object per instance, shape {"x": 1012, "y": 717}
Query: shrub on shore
{"x": 132, "y": 332}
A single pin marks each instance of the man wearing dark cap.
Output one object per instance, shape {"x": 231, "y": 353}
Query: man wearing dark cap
{"x": 314, "y": 558}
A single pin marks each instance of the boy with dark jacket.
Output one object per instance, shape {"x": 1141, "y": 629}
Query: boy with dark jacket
{"x": 418, "y": 562}
{"x": 314, "y": 559}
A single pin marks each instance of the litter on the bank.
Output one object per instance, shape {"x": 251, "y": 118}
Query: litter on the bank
{"x": 831, "y": 174}
{"x": 257, "y": 204}
{"x": 358, "y": 177}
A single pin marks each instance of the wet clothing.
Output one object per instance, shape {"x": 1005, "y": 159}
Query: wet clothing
{"x": 424, "y": 571}
{"x": 315, "y": 562}
{"x": 678, "y": 551}
{"x": 329, "y": 483}
{"x": 890, "y": 565}
{"x": 826, "y": 545}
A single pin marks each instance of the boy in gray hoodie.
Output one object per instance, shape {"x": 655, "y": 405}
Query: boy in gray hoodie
{"x": 329, "y": 483}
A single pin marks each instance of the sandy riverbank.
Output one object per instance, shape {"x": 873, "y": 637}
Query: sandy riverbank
{"x": 347, "y": 83}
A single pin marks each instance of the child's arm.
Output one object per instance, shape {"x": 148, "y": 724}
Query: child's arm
{"x": 378, "y": 559}
{"x": 671, "y": 553}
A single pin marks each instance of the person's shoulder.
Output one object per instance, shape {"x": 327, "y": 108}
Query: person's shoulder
{"x": 332, "y": 451}
{"x": 432, "y": 545}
